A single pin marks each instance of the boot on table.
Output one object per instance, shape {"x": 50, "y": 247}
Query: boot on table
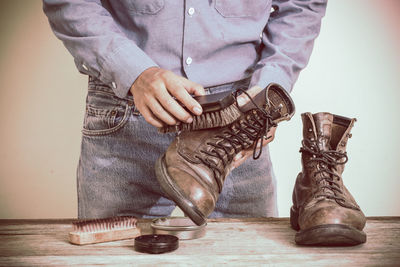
{"x": 324, "y": 212}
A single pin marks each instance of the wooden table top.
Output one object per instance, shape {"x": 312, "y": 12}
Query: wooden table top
{"x": 245, "y": 242}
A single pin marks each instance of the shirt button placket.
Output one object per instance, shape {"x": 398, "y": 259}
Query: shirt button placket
{"x": 190, "y": 11}
{"x": 189, "y": 23}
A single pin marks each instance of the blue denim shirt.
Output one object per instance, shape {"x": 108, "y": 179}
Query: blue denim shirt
{"x": 210, "y": 42}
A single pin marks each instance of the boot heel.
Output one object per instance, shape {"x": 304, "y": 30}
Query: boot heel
{"x": 294, "y": 216}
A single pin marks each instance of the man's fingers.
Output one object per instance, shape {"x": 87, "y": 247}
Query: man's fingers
{"x": 149, "y": 117}
{"x": 252, "y": 92}
{"x": 270, "y": 136}
{"x": 158, "y": 110}
{"x": 160, "y": 91}
{"x": 187, "y": 100}
{"x": 173, "y": 107}
{"x": 193, "y": 88}
{"x": 243, "y": 155}
{"x": 182, "y": 92}
{"x": 239, "y": 159}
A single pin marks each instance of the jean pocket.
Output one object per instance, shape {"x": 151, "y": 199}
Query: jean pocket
{"x": 146, "y": 7}
{"x": 104, "y": 122}
{"x": 241, "y": 8}
{"x": 105, "y": 113}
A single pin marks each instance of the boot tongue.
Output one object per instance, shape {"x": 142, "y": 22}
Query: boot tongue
{"x": 323, "y": 124}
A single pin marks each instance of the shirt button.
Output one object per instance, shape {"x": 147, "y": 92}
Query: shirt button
{"x": 189, "y": 60}
{"x": 84, "y": 66}
{"x": 191, "y": 11}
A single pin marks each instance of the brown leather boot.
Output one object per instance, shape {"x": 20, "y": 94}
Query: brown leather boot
{"x": 323, "y": 209}
{"x": 193, "y": 169}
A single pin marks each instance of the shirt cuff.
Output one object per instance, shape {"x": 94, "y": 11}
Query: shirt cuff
{"x": 270, "y": 74}
{"x": 122, "y": 67}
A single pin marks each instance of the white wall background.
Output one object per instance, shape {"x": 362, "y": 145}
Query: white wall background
{"x": 354, "y": 72}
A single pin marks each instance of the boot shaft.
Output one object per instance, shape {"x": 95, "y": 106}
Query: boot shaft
{"x": 326, "y": 135}
{"x": 324, "y": 156}
{"x": 213, "y": 150}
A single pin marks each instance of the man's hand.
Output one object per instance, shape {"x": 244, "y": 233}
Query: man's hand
{"x": 245, "y": 154}
{"x": 154, "y": 91}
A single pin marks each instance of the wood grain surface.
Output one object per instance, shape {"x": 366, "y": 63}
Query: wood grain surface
{"x": 233, "y": 242}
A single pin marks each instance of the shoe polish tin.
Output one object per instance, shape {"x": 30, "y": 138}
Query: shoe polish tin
{"x": 181, "y": 227}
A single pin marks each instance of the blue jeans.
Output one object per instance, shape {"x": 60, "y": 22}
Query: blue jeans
{"x": 116, "y": 174}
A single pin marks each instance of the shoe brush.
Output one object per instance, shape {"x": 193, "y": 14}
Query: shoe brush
{"x": 103, "y": 230}
{"x": 221, "y": 109}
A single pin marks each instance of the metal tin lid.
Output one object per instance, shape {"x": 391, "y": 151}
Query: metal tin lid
{"x": 181, "y": 227}
{"x": 156, "y": 244}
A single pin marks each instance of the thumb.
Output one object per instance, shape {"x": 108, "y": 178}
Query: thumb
{"x": 243, "y": 99}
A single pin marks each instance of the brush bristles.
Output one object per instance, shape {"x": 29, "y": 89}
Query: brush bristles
{"x": 207, "y": 120}
{"x": 106, "y": 224}
{"x": 103, "y": 230}
{"x": 278, "y": 101}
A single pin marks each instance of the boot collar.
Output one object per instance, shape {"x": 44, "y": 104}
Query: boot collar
{"x": 329, "y": 131}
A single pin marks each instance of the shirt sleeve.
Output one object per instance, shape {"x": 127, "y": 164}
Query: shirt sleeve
{"x": 288, "y": 40}
{"x": 99, "y": 47}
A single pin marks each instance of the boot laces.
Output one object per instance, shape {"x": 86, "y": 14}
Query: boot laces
{"x": 240, "y": 135}
{"x": 327, "y": 160}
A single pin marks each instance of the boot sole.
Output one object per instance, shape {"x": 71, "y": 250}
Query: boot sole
{"x": 327, "y": 234}
{"x": 175, "y": 194}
